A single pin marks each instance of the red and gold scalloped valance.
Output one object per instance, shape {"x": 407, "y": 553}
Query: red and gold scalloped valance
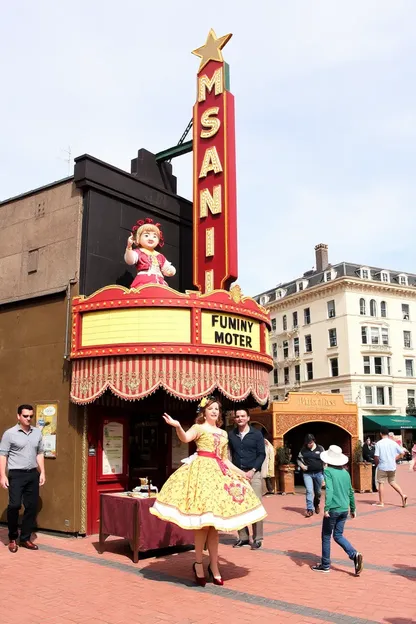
{"x": 188, "y": 378}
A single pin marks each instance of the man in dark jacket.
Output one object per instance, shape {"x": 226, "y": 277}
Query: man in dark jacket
{"x": 248, "y": 453}
{"x": 309, "y": 460}
{"x": 368, "y": 456}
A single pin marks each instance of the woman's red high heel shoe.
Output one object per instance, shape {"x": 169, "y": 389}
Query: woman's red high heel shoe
{"x": 200, "y": 580}
{"x": 216, "y": 581}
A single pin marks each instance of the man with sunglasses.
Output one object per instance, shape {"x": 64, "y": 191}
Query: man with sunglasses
{"x": 22, "y": 471}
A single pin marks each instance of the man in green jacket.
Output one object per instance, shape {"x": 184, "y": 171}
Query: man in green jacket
{"x": 339, "y": 499}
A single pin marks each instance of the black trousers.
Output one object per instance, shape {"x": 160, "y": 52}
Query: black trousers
{"x": 23, "y": 488}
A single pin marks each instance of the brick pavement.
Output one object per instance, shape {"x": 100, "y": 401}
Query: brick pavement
{"x": 69, "y": 581}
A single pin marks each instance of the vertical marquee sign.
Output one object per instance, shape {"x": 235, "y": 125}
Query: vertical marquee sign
{"x": 215, "y": 209}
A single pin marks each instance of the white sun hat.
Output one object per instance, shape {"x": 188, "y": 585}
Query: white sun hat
{"x": 334, "y": 456}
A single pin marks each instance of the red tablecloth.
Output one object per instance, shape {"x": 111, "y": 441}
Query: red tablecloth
{"x": 117, "y": 518}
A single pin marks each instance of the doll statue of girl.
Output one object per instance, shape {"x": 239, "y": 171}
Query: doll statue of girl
{"x": 150, "y": 264}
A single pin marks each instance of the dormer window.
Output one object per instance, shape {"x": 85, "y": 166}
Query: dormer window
{"x": 280, "y": 293}
{"x": 301, "y": 285}
{"x": 329, "y": 275}
{"x": 264, "y": 299}
{"x": 385, "y": 276}
{"x": 402, "y": 279}
{"x": 365, "y": 273}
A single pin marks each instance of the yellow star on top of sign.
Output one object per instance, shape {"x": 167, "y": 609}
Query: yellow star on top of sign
{"x": 211, "y": 51}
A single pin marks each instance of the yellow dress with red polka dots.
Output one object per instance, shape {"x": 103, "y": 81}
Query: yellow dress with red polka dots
{"x": 205, "y": 492}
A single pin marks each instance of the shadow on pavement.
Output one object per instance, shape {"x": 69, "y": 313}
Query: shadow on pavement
{"x": 405, "y": 571}
{"x": 167, "y": 570}
{"x": 299, "y": 510}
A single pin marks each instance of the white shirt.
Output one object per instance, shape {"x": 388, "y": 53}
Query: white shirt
{"x": 387, "y": 451}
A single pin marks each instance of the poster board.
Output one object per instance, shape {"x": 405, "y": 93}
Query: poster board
{"x": 47, "y": 422}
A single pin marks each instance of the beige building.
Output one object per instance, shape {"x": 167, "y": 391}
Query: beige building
{"x": 348, "y": 329}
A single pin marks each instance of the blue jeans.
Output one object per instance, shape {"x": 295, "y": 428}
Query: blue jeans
{"x": 313, "y": 484}
{"x": 335, "y": 525}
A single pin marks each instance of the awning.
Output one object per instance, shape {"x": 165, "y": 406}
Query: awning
{"x": 188, "y": 378}
{"x": 373, "y": 423}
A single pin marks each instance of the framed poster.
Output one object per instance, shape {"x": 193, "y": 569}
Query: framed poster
{"x": 112, "y": 455}
{"x": 47, "y": 421}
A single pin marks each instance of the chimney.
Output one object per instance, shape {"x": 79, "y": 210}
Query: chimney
{"x": 321, "y": 257}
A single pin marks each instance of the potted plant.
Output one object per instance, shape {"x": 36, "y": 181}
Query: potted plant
{"x": 286, "y": 470}
{"x": 361, "y": 470}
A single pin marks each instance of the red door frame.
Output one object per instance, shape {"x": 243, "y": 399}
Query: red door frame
{"x": 97, "y": 482}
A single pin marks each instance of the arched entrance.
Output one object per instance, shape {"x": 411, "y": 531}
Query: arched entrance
{"x": 327, "y": 416}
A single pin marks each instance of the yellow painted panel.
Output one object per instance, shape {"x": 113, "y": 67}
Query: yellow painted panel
{"x": 148, "y": 325}
{"x": 230, "y": 330}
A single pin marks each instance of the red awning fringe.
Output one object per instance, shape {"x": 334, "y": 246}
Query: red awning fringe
{"x": 188, "y": 378}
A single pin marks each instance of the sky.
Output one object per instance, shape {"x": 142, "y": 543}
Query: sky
{"x": 325, "y": 97}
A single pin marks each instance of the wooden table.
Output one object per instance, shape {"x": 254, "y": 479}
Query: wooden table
{"x": 129, "y": 517}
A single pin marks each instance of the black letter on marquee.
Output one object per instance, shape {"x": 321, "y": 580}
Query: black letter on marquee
{"x": 219, "y": 337}
{"x": 214, "y": 320}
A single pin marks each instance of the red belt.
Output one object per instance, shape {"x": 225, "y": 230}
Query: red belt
{"x": 221, "y": 464}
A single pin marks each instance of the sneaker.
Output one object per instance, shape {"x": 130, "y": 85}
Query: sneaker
{"x": 358, "y": 563}
{"x": 317, "y": 509}
{"x": 256, "y": 544}
{"x": 308, "y": 513}
{"x": 319, "y": 568}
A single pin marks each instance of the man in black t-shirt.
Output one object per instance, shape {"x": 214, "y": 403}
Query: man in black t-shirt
{"x": 309, "y": 460}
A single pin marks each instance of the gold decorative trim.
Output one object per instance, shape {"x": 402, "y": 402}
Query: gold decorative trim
{"x": 209, "y": 281}
{"x": 84, "y": 473}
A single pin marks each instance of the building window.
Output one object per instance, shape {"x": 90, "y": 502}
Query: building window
{"x": 388, "y": 360}
{"x": 375, "y": 336}
{"x": 390, "y": 394}
{"x": 402, "y": 279}
{"x": 367, "y": 369}
{"x": 284, "y": 322}
{"x": 365, "y": 274}
{"x": 274, "y": 324}
{"x": 309, "y": 371}
{"x": 275, "y": 377}
{"x": 409, "y": 368}
{"x": 380, "y": 395}
{"x": 296, "y": 347}
{"x": 307, "y": 316}
{"x": 286, "y": 375}
{"x": 264, "y": 299}
{"x": 308, "y": 343}
{"x": 297, "y": 373}
{"x": 368, "y": 395}
{"x": 334, "y": 367}
{"x": 331, "y": 308}
{"x": 407, "y": 339}
{"x": 332, "y": 337}
{"x": 373, "y": 308}
{"x": 411, "y": 398}
{"x": 300, "y": 286}
{"x": 328, "y": 276}
{"x": 364, "y": 335}
{"x": 384, "y": 335}
{"x": 383, "y": 309}
{"x": 362, "y": 307}
{"x": 405, "y": 312}
{"x": 385, "y": 277}
{"x": 285, "y": 349}
{"x": 295, "y": 320}
{"x": 335, "y": 391}
{"x": 274, "y": 349}
{"x": 378, "y": 366}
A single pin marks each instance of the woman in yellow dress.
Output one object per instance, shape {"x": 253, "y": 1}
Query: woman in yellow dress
{"x": 207, "y": 494}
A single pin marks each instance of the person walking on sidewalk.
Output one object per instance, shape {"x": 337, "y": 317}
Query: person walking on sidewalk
{"x": 309, "y": 460}
{"x": 385, "y": 456}
{"x": 368, "y": 455}
{"x": 22, "y": 454}
{"x": 339, "y": 499}
{"x": 248, "y": 454}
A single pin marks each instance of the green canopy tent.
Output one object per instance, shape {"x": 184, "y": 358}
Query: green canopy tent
{"x": 374, "y": 423}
